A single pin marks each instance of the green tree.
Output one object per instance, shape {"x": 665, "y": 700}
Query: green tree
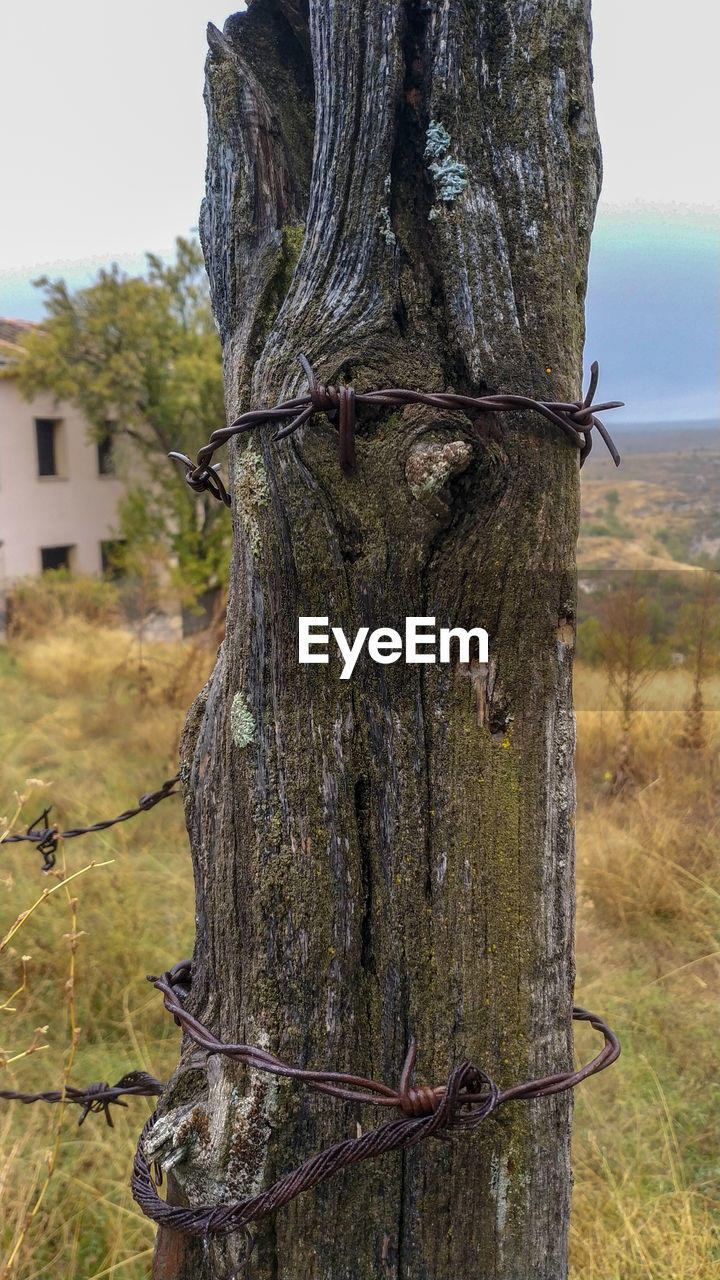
{"x": 143, "y": 354}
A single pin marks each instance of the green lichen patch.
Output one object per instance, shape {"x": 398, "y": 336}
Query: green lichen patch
{"x": 251, "y": 492}
{"x": 293, "y": 236}
{"x": 242, "y": 722}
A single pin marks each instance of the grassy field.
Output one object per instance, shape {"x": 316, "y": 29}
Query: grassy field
{"x": 79, "y": 713}
{"x": 647, "y": 1190}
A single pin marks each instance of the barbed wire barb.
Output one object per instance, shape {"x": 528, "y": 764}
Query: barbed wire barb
{"x": 94, "y": 1098}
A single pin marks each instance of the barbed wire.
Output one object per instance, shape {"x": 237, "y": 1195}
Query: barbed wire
{"x": 47, "y": 837}
{"x": 575, "y": 418}
{"x": 95, "y": 1098}
{"x": 467, "y": 1098}
{"x": 469, "y": 1095}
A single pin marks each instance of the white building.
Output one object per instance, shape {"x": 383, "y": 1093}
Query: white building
{"x": 58, "y": 490}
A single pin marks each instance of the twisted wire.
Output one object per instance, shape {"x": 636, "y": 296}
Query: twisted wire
{"x": 467, "y": 1098}
{"x": 46, "y": 837}
{"x": 95, "y": 1098}
{"x": 576, "y": 419}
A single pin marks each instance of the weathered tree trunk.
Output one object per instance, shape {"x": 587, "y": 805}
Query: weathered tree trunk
{"x": 392, "y": 855}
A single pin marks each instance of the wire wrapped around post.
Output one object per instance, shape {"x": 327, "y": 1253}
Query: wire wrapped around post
{"x": 576, "y": 419}
{"x": 467, "y": 1098}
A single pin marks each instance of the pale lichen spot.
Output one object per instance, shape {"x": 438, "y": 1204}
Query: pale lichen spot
{"x": 449, "y": 176}
{"x": 386, "y": 229}
{"x": 437, "y": 141}
{"x": 242, "y": 722}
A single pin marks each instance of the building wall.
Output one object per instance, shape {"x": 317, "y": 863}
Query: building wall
{"x": 76, "y": 508}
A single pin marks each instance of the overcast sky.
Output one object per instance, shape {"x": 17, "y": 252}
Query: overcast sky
{"x": 104, "y": 131}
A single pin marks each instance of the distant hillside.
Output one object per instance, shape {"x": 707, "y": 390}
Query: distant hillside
{"x": 658, "y": 437}
{"x": 659, "y": 508}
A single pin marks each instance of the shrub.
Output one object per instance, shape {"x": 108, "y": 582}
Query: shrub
{"x": 35, "y": 604}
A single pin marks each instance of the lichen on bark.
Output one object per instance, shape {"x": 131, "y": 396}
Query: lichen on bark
{"x": 242, "y": 723}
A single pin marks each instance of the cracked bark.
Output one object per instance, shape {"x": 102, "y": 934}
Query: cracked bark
{"x": 391, "y": 856}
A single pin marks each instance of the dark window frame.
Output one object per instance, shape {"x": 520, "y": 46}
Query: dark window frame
{"x": 106, "y": 451}
{"x": 110, "y": 570}
{"x": 62, "y": 555}
{"x": 46, "y": 446}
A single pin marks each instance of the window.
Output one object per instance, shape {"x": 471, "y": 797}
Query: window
{"x": 106, "y": 452}
{"x": 47, "y": 437}
{"x": 111, "y": 557}
{"x": 56, "y": 557}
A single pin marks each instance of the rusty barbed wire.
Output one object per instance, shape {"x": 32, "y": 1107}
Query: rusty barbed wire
{"x": 575, "y": 418}
{"x": 95, "y": 1098}
{"x": 47, "y": 837}
{"x": 467, "y": 1098}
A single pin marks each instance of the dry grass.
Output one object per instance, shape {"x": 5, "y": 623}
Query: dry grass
{"x": 663, "y": 505}
{"x": 80, "y": 714}
{"x": 46, "y": 602}
{"x": 647, "y": 1190}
